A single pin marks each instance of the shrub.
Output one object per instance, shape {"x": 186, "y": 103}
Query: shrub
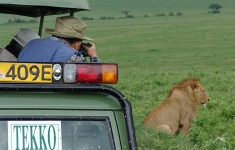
{"x": 171, "y": 14}
{"x": 215, "y": 11}
{"x": 130, "y": 16}
{"x": 87, "y": 18}
{"x": 19, "y": 21}
{"x": 105, "y": 17}
{"x": 31, "y": 21}
{"x": 145, "y": 15}
{"x": 179, "y": 13}
{"x": 111, "y": 18}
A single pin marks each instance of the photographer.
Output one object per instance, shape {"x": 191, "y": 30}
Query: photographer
{"x": 65, "y": 45}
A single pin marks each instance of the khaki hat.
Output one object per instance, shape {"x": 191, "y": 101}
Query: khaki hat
{"x": 24, "y": 36}
{"x": 69, "y": 27}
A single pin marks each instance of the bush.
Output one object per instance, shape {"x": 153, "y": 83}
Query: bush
{"x": 31, "y": 21}
{"x": 171, "y": 14}
{"x": 87, "y": 18}
{"x": 179, "y": 13}
{"x": 130, "y": 16}
{"x": 105, "y": 17}
{"x": 145, "y": 15}
{"x": 111, "y": 18}
{"x": 215, "y": 11}
{"x": 19, "y": 21}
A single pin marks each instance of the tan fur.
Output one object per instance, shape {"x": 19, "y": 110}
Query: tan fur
{"x": 179, "y": 108}
{"x": 164, "y": 128}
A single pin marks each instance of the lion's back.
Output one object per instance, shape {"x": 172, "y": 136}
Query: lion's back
{"x": 164, "y": 113}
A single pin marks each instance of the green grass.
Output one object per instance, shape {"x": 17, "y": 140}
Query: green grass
{"x": 139, "y": 8}
{"x": 151, "y": 7}
{"x": 154, "y": 53}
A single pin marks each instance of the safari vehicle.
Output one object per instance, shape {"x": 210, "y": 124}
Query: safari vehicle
{"x": 61, "y": 106}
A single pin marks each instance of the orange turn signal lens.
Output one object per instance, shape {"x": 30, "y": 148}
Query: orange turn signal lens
{"x": 109, "y": 73}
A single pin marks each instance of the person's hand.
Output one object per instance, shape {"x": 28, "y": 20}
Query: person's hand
{"x": 91, "y": 50}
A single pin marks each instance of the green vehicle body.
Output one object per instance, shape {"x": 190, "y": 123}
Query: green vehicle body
{"x": 61, "y": 102}
{"x": 92, "y": 116}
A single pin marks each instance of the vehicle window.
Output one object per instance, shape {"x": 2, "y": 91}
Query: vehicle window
{"x": 85, "y": 135}
{"x": 56, "y": 134}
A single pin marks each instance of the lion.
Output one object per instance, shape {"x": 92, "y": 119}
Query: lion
{"x": 176, "y": 112}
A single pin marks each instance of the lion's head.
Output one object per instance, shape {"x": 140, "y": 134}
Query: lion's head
{"x": 200, "y": 94}
{"x": 194, "y": 88}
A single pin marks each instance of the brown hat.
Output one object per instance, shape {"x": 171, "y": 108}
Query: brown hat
{"x": 69, "y": 27}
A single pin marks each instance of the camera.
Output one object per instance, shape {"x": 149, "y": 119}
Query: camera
{"x": 83, "y": 51}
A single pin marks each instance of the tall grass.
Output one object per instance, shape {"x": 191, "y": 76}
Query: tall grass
{"x": 153, "y": 54}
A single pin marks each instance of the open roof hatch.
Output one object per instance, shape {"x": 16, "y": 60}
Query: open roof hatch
{"x": 42, "y": 8}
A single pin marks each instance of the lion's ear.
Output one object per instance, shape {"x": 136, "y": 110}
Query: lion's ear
{"x": 195, "y": 85}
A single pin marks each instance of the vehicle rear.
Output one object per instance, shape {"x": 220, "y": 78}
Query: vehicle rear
{"x": 80, "y": 113}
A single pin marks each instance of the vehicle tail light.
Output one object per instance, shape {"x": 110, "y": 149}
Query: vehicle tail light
{"x": 90, "y": 73}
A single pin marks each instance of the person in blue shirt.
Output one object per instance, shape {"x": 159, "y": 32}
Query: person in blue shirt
{"x": 62, "y": 46}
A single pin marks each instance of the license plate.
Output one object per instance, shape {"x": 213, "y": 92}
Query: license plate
{"x": 26, "y": 72}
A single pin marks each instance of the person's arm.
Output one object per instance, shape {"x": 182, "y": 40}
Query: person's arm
{"x": 94, "y": 59}
{"x": 92, "y": 52}
{"x": 78, "y": 57}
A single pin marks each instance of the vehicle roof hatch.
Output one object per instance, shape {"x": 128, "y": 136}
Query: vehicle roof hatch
{"x": 42, "y": 8}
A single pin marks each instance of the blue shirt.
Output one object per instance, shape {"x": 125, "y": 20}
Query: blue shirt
{"x": 50, "y": 49}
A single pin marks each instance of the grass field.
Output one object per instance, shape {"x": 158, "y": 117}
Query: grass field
{"x": 154, "y": 53}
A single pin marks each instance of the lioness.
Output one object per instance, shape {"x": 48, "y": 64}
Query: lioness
{"x": 179, "y": 108}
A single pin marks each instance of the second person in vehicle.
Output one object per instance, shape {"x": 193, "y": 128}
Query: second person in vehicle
{"x": 12, "y": 50}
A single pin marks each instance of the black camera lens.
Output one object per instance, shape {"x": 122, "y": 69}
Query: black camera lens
{"x": 83, "y": 51}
